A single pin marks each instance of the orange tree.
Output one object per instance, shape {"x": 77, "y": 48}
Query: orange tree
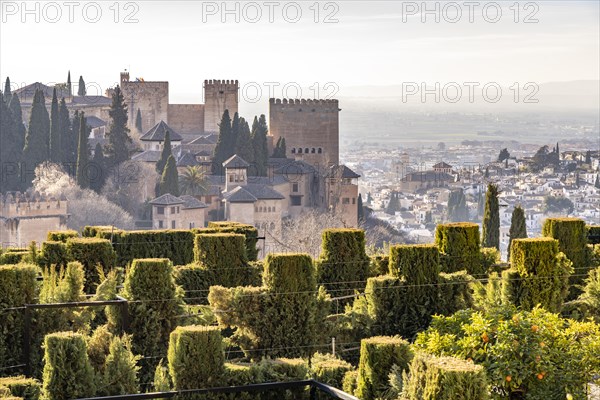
{"x": 527, "y": 354}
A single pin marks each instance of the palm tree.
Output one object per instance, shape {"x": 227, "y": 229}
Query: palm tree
{"x": 193, "y": 181}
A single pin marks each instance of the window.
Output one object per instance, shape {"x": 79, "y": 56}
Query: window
{"x": 230, "y": 178}
{"x": 296, "y": 200}
{"x": 312, "y": 150}
{"x": 177, "y": 209}
{"x": 294, "y": 150}
{"x": 306, "y": 150}
{"x": 192, "y": 225}
{"x": 295, "y": 187}
{"x": 346, "y": 200}
{"x": 299, "y": 151}
{"x": 320, "y": 150}
{"x": 172, "y": 210}
{"x": 160, "y": 224}
{"x": 160, "y": 210}
{"x": 353, "y": 200}
{"x": 172, "y": 224}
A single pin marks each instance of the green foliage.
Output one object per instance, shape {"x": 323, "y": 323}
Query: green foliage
{"x": 164, "y": 155}
{"x": 94, "y": 254}
{"x": 13, "y": 257}
{"x": 457, "y": 206}
{"x": 393, "y": 205}
{"x": 196, "y": 357}
{"x": 21, "y": 387}
{"x": 162, "y": 381}
{"x": 593, "y": 232}
{"x": 490, "y": 257}
{"x": 224, "y": 254}
{"x": 38, "y": 132}
{"x": 280, "y": 149}
{"x": 455, "y": 292}
{"x": 53, "y": 253}
{"x": 169, "y": 181}
{"x": 540, "y": 274}
{"x": 377, "y": 357}
{"x": 459, "y": 245}
{"x": 82, "y": 175}
{"x": 418, "y": 264}
{"x": 117, "y": 149}
{"x": 557, "y": 205}
{"x": 138, "y": 121}
{"x": 328, "y": 369}
{"x": 534, "y": 354}
{"x": 379, "y": 265}
{"x": 504, "y": 155}
{"x": 571, "y": 234}
{"x": 249, "y": 231}
{"x": 587, "y": 305}
{"x": 343, "y": 266}
{"x": 68, "y": 373}
{"x": 155, "y": 303}
{"x": 259, "y": 144}
{"x": 18, "y": 287}
{"x": 61, "y": 236}
{"x": 120, "y": 368}
{"x": 243, "y": 145}
{"x": 444, "y": 378}
{"x": 350, "y": 381}
{"x": 491, "y": 218}
{"x": 225, "y": 144}
{"x": 518, "y": 226}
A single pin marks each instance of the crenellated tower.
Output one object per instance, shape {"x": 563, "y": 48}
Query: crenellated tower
{"x": 219, "y": 95}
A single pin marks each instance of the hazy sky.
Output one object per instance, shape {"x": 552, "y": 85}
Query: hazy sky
{"x": 370, "y": 44}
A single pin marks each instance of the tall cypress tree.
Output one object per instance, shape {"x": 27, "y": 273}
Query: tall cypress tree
{"x": 81, "y": 175}
{"x": 235, "y": 133}
{"x": 67, "y": 141}
{"x": 69, "y": 83}
{"x": 588, "y": 157}
{"x": 8, "y": 131}
{"x": 518, "y": 227}
{"x": 169, "y": 181}
{"x": 117, "y": 149}
{"x": 7, "y": 91}
{"x": 457, "y": 206}
{"x": 81, "y": 91}
{"x": 597, "y": 183}
{"x": 97, "y": 175}
{"x": 259, "y": 144}
{"x": 491, "y": 218}
{"x": 243, "y": 146}
{"x": 167, "y": 152}
{"x": 17, "y": 114}
{"x": 38, "y": 133}
{"x": 55, "y": 142}
{"x": 138, "y": 121}
{"x": 223, "y": 141}
{"x": 360, "y": 210}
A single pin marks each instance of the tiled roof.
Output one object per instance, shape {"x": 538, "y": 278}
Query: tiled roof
{"x": 94, "y": 122}
{"x": 441, "y": 165}
{"x": 190, "y": 202}
{"x": 157, "y": 133}
{"x": 167, "y": 200}
{"x": 91, "y": 100}
{"x": 147, "y": 156}
{"x": 202, "y": 140}
{"x": 187, "y": 160}
{"x": 235, "y": 161}
{"x": 239, "y": 195}
{"x": 341, "y": 171}
{"x": 263, "y": 192}
{"x": 295, "y": 168}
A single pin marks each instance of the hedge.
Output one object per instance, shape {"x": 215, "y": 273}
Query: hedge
{"x": 13, "y": 256}
{"x": 92, "y": 253}
{"x": 459, "y": 244}
{"x": 18, "y": 286}
{"x": 53, "y": 253}
{"x": 68, "y": 373}
{"x": 224, "y": 254}
{"x": 61, "y": 236}
{"x": 377, "y": 356}
{"x": 249, "y": 231}
{"x": 196, "y": 357}
{"x": 21, "y": 387}
{"x": 444, "y": 378}
{"x": 539, "y": 274}
{"x": 593, "y": 234}
{"x": 572, "y": 235}
{"x": 328, "y": 369}
{"x": 455, "y": 292}
{"x": 343, "y": 265}
{"x": 155, "y": 303}
{"x": 418, "y": 264}
{"x": 379, "y": 265}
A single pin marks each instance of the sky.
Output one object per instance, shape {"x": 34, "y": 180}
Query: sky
{"x": 330, "y": 46}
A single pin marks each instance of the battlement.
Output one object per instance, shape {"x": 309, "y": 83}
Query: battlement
{"x": 305, "y": 105}
{"x": 221, "y": 82}
{"x": 304, "y": 101}
{"x": 30, "y": 205}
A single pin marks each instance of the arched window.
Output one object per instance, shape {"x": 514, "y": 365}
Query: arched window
{"x": 268, "y": 209}
{"x": 312, "y": 150}
{"x": 320, "y": 150}
{"x": 300, "y": 151}
{"x": 306, "y": 150}
{"x": 260, "y": 209}
{"x": 294, "y": 150}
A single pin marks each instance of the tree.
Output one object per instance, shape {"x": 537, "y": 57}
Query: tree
{"x": 55, "y": 139}
{"x": 588, "y": 157}
{"x": 7, "y": 91}
{"x": 369, "y": 198}
{"x": 243, "y": 146}
{"x": 7, "y": 134}
{"x": 117, "y": 149}
{"x": 17, "y": 113}
{"x": 457, "y": 206}
{"x": 487, "y": 173}
{"x": 235, "y": 132}
{"x": 169, "y": 181}
{"x": 81, "y": 175}
{"x": 597, "y": 183}
{"x": 557, "y": 205}
{"x": 67, "y": 138}
{"x": 81, "y": 89}
{"x": 361, "y": 212}
{"x": 518, "y": 227}
{"x": 69, "y": 84}
{"x": 38, "y": 132}
{"x": 138, "y": 121}
{"x": 224, "y": 140}
{"x": 504, "y": 155}
{"x": 279, "y": 150}
{"x": 193, "y": 181}
{"x": 577, "y": 180}
{"x": 259, "y": 144}
{"x": 98, "y": 176}
{"x": 393, "y": 205}
{"x": 165, "y": 154}
{"x": 491, "y": 218}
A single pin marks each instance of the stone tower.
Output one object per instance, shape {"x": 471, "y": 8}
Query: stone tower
{"x": 152, "y": 98}
{"x": 219, "y": 95}
{"x": 310, "y": 129}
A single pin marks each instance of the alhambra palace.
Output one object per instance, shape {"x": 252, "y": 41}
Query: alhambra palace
{"x": 309, "y": 178}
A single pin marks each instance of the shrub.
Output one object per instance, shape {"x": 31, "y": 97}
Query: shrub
{"x": 377, "y": 356}
{"x": 571, "y": 234}
{"x": 349, "y": 382}
{"x": 379, "y": 265}
{"x": 418, "y": 264}
{"x": 195, "y": 281}
{"x": 593, "y": 234}
{"x": 61, "y": 236}
{"x": 120, "y": 368}
{"x": 328, "y": 369}
{"x": 343, "y": 265}
{"x": 444, "y": 378}
{"x": 68, "y": 373}
{"x": 249, "y": 231}
{"x": 455, "y": 292}
{"x": 196, "y": 357}
{"x": 224, "y": 254}
{"x": 155, "y": 303}
{"x": 540, "y": 274}
{"x": 53, "y": 253}
{"x": 13, "y": 257}
{"x": 93, "y": 253}
{"x": 459, "y": 244}
{"x": 534, "y": 354}
{"x": 18, "y": 286}
{"x": 94, "y": 231}
{"x": 490, "y": 257}
{"x": 21, "y": 387}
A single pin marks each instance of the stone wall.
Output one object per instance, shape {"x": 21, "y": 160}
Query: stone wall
{"x": 187, "y": 118}
{"x": 219, "y": 95}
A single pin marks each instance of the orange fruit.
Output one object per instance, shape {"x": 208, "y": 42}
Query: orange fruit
{"x": 535, "y": 328}
{"x": 485, "y": 337}
{"x": 540, "y": 376}
{"x": 542, "y": 344}
{"x": 508, "y": 378}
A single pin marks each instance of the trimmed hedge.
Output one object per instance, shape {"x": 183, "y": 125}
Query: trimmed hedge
{"x": 92, "y": 253}
{"x": 459, "y": 244}
{"x": 444, "y": 378}
{"x": 328, "y": 369}
{"x": 419, "y": 264}
{"x": 21, "y": 387}
{"x": 53, "y": 253}
{"x": 377, "y": 356}
{"x": 224, "y": 254}
{"x": 249, "y": 231}
{"x": 593, "y": 234}
{"x": 455, "y": 292}
{"x": 539, "y": 274}
{"x": 68, "y": 373}
{"x": 155, "y": 303}
{"x": 343, "y": 265}
{"x": 196, "y": 357}
{"x": 13, "y": 256}
{"x": 61, "y": 236}
{"x": 18, "y": 286}
{"x": 379, "y": 265}
{"x": 572, "y": 235}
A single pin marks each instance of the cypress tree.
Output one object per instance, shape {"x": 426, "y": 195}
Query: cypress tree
{"x": 138, "y": 121}
{"x": 97, "y": 176}
{"x": 55, "y": 145}
{"x": 81, "y": 89}
{"x": 69, "y": 84}
{"x": 361, "y": 213}
{"x": 394, "y": 204}
{"x": 457, "y": 206}
{"x": 18, "y": 140}
{"x": 7, "y": 134}
{"x": 279, "y": 150}
{"x": 37, "y": 139}
{"x": 491, "y": 218}
{"x": 518, "y": 227}
{"x": 588, "y": 157}
{"x": 282, "y": 148}
{"x": 235, "y": 133}
{"x": 169, "y": 181}
{"x": 81, "y": 176}
{"x": 67, "y": 142}
{"x": 259, "y": 143}
{"x": 597, "y": 183}
{"x": 7, "y": 91}
{"x": 117, "y": 150}
{"x": 167, "y": 152}
{"x": 223, "y": 141}
{"x": 243, "y": 146}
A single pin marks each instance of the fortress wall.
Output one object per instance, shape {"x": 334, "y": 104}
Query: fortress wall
{"x": 186, "y": 118}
